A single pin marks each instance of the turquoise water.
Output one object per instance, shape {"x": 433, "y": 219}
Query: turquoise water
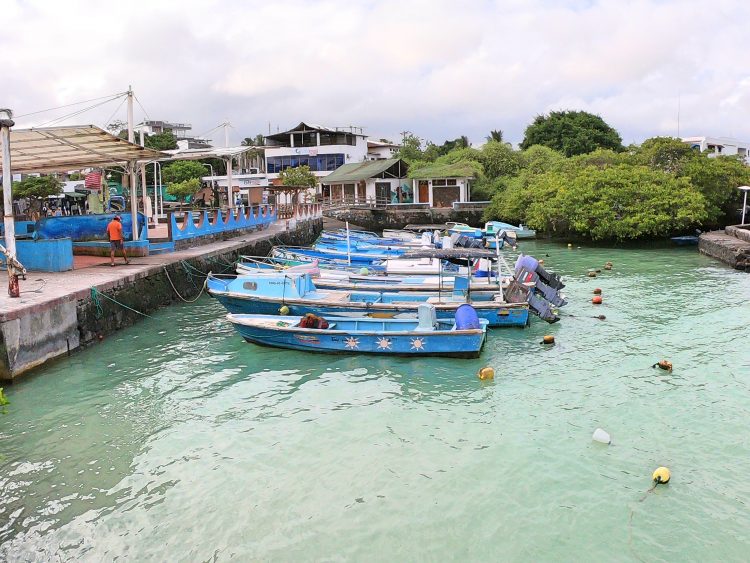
{"x": 176, "y": 441}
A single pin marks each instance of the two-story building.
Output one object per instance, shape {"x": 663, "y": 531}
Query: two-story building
{"x": 323, "y": 149}
{"x": 720, "y": 146}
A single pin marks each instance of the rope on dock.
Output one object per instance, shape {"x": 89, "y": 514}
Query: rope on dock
{"x": 169, "y": 279}
{"x": 95, "y": 294}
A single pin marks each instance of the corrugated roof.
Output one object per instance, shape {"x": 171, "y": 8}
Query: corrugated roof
{"x": 462, "y": 169}
{"x": 360, "y": 171}
{"x": 58, "y": 149}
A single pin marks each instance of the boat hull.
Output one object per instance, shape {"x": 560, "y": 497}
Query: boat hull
{"x": 465, "y": 343}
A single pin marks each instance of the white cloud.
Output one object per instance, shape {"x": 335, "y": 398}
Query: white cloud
{"x": 437, "y": 68}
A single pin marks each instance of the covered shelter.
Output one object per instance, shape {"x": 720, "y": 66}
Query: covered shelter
{"x": 377, "y": 182}
{"x": 74, "y": 147}
{"x": 440, "y": 185}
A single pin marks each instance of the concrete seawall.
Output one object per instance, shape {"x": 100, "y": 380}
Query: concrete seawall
{"x": 74, "y": 309}
{"x": 731, "y": 246}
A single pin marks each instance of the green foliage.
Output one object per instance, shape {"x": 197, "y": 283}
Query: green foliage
{"x": 184, "y": 189}
{"x": 42, "y": 186}
{"x": 75, "y": 176}
{"x": 258, "y": 141}
{"x": 183, "y": 170}
{"x": 161, "y": 141}
{"x": 411, "y": 149}
{"x": 495, "y": 135}
{"x": 571, "y": 133}
{"x": 717, "y": 179}
{"x": 538, "y": 159}
{"x": 664, "y": 153}
{"x": 498, "y": 159}
{"x": 3, "y": 401}
{"x": 460, "y": 169}
{"x": 460, "y": 154}
{"x": 298, "y": 176}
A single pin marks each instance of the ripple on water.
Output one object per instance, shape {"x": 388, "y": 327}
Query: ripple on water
{"x": 188, "y": 444}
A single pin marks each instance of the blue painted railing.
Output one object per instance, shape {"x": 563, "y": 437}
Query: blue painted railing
{"x": 217, "y": 221}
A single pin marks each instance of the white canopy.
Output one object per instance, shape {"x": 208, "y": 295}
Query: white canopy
{"x": 59, "y": 149}
{"x": 211, "y": 152}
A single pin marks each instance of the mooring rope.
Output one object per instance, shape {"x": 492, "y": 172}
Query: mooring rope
{"x": 95, "y": 294}
{"x": 203, "y": 288}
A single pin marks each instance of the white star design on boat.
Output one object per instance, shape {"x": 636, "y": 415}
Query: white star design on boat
{"x": 417, "y": 344}
{"x": 352, "y": 342}
{"x": 384, "y": 343}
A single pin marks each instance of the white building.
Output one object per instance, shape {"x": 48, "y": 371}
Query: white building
{"x": 720, "y": 146}
{"x": 441, "y": 185}
{"x": 321, "y": 148}
{"x": 380, "y": 150}
{"x": 181, "y": 132}
{"x": 371, "y": 182}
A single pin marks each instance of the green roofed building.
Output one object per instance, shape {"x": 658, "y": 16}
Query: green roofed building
{"x": 440, "y": 185}
{"x": 371, "y": 182}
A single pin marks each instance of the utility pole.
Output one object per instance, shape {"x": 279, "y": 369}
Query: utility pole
{"x": 14, "y": 266}
{"x": 132, "y": 164}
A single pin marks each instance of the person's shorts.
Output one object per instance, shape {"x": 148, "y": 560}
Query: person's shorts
{"x": 115, "y": 245}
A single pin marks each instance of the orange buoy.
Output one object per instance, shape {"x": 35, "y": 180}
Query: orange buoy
{"x": 663, "y": 364}
{"x": 596, "y": 300}
{"x": 598, "y": 291}
{"x": 548, "y": 339}
{"x": 486, "y": 373}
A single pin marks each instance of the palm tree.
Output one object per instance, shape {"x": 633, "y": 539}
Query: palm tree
{"x": 495, "y": 135}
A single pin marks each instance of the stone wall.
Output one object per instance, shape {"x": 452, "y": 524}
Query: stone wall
{"x": 379, "y": 219}
{"x": 729, "y": 249}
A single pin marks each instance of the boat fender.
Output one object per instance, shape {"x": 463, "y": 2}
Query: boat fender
{"x": 466, "y": 317}
{"x": 364, "y": 272}
{"x": 486, "y": 373}
{"x": 283, "y": 310}
{"x": 661, "y": 476}
{"x": 663, "y": 364}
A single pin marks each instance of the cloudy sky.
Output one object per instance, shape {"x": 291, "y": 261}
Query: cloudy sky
{"x": 437, "y": 68}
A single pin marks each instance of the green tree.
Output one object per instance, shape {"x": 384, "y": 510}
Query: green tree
{"x": 33, "y": 187}
{"x": 495, "y": 135}
{"x": 298, "y": 176}
{"x": 184, "y": 189}
{"x": 161, "y": 141}
{"x": 258, "y": 141}
{"x": 411, "y": 148}
{"x": 498, "y": 159}
{"x": 664, "y": 153}
{"x": 182, "y": 170}
{"x": 571, "y": 133}
{"x": 717, "y": 179}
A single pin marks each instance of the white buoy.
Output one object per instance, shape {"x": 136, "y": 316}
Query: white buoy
{"x": 601, "y": 436}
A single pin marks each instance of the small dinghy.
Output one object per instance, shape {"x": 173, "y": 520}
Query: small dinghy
{"x": 424, "y": 336}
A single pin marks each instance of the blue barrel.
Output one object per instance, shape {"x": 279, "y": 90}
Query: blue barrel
{"x": 467, "y": 318}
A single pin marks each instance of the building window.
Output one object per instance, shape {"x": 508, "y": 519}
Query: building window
{"x": 320, "y": 163}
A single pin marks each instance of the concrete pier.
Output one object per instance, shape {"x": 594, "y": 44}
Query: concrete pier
{"x": 58, "y": 312}
{"x": 731, "y": 246}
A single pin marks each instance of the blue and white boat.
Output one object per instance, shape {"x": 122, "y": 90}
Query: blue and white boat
{"x": 424, "y": 336}
{"x": 296, "y": 294}
{"x": 491, "y": 228}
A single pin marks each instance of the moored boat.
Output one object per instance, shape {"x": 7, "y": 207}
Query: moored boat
{"x": 491, "y": 228}
{"x": 423, "y": 336}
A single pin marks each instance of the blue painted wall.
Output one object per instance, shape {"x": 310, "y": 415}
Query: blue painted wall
{"x": 44, "y": 255}
{"x": 256, "y": 217}
{"x": 86, "y": 227}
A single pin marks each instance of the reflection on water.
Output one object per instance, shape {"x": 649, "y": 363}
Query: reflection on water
{"x": 175, "y": 440}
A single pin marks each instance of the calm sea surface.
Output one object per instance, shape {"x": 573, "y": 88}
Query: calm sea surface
{"x": 177, "y": 441}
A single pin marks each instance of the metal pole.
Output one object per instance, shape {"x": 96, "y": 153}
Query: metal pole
{"x": 6, "y": 122}
{"x": 161, "y": 198}
{"x": 744, "y": 205}
{"x": 133, "y": 200}
{"x": 229, "y": 183}
{"x": 348, "y": 246}
{"x": 156, "y": 195}
{"x": 131, "y": 135}
{"x": 144, "y": 190}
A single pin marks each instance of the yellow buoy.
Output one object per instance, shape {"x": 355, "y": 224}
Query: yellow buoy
{"x": 283, "y": 310}
{"x": 661, "y": 476}
{"x": 548, "y": 339}
{"x": 486, "y": 373}
{"x": 570, "y": 245}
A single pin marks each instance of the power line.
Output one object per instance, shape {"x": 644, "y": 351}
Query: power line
{"x": 79, "y": 112}
{"x": 142, "y": 108}
{"x": 114, "y": 112}
{"x": 68, "y": 105}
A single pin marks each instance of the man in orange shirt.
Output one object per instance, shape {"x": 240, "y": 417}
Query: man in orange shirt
{"x": 114, "y": 230}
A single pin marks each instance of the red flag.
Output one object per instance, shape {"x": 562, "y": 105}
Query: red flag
{"x": 93, "y": 181}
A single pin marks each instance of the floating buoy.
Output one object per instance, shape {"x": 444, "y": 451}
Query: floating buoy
{"x": 364, "y": 272}
{"x": 600, "y": 317}
{"x": 601, "y": 436}
{"x": 661, "y": 476}
{"x": 663, "y": 364}
{"x": 486, "y": 373}
{"x": 548, "y": 339}
{"x": 592, "y": 274}
{"x": 596, "y": 299}
{"x": 598, "y": 291}
{"x": 609, "y": 264}
{"x": 283, "y": 310}
{"x": 570, "y": 245}
{"x": 598, "y": 271}
{"x": 607, "y": 267}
